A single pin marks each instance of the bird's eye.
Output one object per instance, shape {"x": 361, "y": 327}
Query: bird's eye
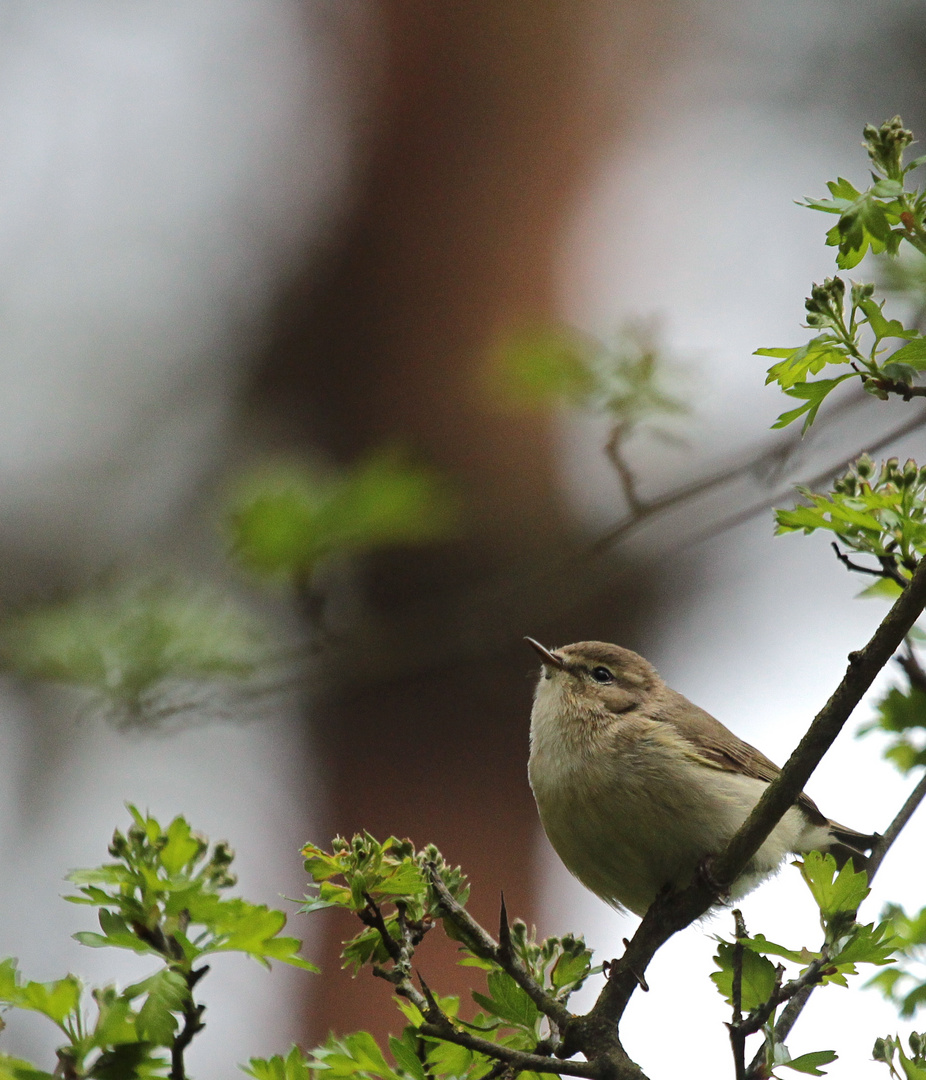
{"x": 602, "y": 675}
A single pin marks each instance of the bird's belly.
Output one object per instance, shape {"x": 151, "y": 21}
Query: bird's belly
{"x": 627, "y": 833}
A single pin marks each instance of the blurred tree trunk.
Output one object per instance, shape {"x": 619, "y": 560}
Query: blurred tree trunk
{"x": 491, "y": 117}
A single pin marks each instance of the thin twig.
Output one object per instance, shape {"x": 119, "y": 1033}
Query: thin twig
{"x": 614, "y": 453}
{"x": 192, "y": 1025}
{"x": 895, "y": 386}
{"x": 888, "y": 569}
{"x": 737, "y": 1038}
{"x": 732, "y": 521}
{"x": 519, "y": 1059}
{"x": 883, "y": 845}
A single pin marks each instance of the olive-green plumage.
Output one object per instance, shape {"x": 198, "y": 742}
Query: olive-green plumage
{"x": 636, "y": 785}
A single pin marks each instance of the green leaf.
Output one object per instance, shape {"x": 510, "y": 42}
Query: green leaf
{"x": 543, "y": 365}
{"x": 167, "y": 994}
{"x": 116, "y": 934}
{"x": 356, "y": 1054}
{"x": 115, "y": 1023}
{"x": 285, "y": 519}
{"x": 882, "y": 327}
{"x": 810, "y": 1063}
{"x": 814, "y": 394}
{"x": 802, "y": 361}
{"x": 56, "y": 1000}
{"x": 253, "y": 929}
{"x": 133, "y": 1060}
{"x": 16, "y": 1069}
{"x": 571, "y": 969}
{"x": 911, "y": 1070}
{"x": 901, "y": 710}
{"x": 295, "y": 1066}
{"x": 882, "y": 589}
{"x": 403, "y": 1050}
{"x": 508, "y": 1001}
{"x": 868, "y": 944}
{"x": 835, "y": 891}
{"x": 760, "y": 944}
{"x": 758, "y": 976}
{"x": 182, "y": 846}
{"x": 913, "y": 354}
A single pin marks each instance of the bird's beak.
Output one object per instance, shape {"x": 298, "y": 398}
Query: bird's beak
{"x": 549, "y": 658}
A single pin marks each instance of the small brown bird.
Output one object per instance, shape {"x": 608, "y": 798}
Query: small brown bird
{"x": 636, "y": 786}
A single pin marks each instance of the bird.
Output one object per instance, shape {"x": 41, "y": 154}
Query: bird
{"x": 636, "y": 786}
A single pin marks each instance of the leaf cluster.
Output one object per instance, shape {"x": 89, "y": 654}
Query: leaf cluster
{"x": 911, "y": 1068}
{"x": 622, "y": 378}
{"x": 753, "y": 985}
{"x": 884, "y": 214}
{"x": 877, "y": 512}
{"x": 162, "y": 899}
{"x": 902, "y": 713}
{"x": 904, "y": 984}
{"x": 854, "y": 328}
{"x": 399, "y": 894}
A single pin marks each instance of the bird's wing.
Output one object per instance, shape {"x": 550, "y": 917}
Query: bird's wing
{"x": 718, "y": 747}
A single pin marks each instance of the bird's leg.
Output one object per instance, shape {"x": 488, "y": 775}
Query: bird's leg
{"x": 705, "y": 873}
{"x": 610, "y": 969}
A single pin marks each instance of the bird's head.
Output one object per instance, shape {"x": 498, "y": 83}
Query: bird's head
{"x": 592, "y": 681}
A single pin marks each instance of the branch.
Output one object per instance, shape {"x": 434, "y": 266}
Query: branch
{"x": 484, "y": 945}
{"x": 864, "y": 665}
{"x": 893, "y": 830}
{"x": 888, "y": 567}
{"x": 614, "y": 452}
{"x": 519, "y": 1059}
{"x": 897, "y": 386}
{"x": 192, "y": 1025}
{"x": 762, "y": 460}
{"x": 674, "y": 911}
{"x": 795, "y": 1006}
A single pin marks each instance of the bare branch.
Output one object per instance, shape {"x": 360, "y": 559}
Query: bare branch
{"x": 888, "y": 569}
{"x": 893, "y": 830}
{"x": 766, "y": 459}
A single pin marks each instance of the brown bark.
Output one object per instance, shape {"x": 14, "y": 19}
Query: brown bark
{"x": 491, "y": 117}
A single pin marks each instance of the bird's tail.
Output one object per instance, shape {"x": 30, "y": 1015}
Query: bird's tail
{"x": 848, "y": 844}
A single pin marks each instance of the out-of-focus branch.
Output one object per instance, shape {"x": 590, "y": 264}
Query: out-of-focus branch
{"x": 764, "y": 461}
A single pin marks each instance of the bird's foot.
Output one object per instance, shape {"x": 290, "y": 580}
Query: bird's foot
{"x": 610, "y": 968}
{"x": 705, "y": 873}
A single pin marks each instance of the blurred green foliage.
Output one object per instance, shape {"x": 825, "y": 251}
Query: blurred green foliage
{"x": 283, "y": 520}
{"x": 127, "y": 641}
{"x": 911, "y": 1068}
{"x": 623, "y": 379}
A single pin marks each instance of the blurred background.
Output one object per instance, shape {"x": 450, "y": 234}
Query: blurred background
{"x": 294, "y": 239}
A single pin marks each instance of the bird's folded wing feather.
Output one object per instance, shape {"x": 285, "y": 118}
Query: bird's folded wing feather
{"x": 719, "y": 748}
